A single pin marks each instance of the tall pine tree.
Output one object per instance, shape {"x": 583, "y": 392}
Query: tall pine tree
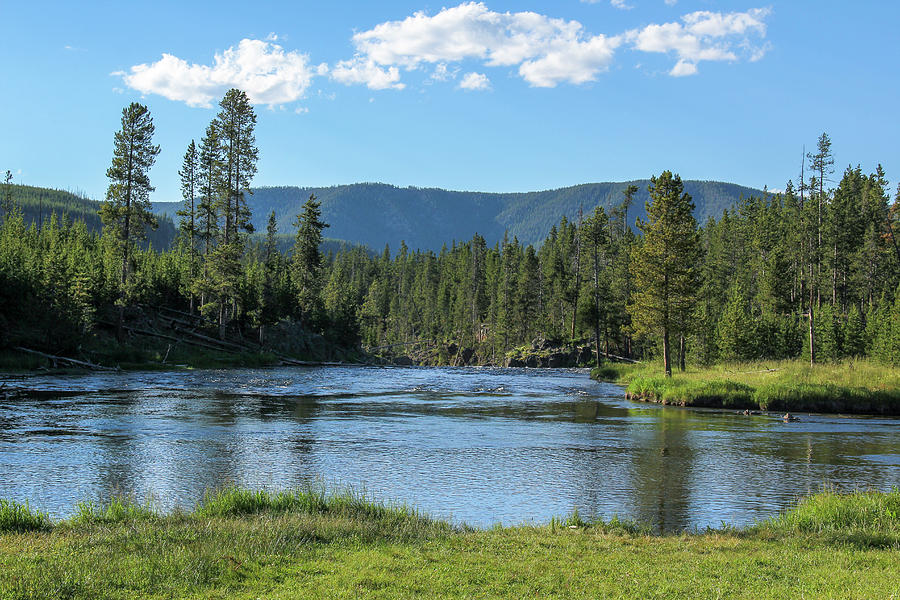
{"x": 664, "y": 269}
{"x": 126, "y": 211}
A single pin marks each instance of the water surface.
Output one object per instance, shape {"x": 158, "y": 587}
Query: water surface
{"x": 478, "y": 445}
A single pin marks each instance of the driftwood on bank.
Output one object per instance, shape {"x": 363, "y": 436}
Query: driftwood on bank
{"x": 63, "y": 359}
{"x": 165, "y": 336}
{"x": 622, "y": 358}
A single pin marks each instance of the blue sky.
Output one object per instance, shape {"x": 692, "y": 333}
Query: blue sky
{"x": 492, "y": 96}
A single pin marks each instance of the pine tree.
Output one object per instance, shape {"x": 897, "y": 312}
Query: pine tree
{"x": 126, "y": 211}
{"x": 267, "y": 304}
{"x": 234, "y": 125}
{"x": 7, "y": 205}
{"x": 190, "y": 177}
{"x": 237, "y": 123}
{"x": 735, "y": 331}
{"x": 597, "y": 241}
{"x": 307, "y": 260}
{"x": 665, "y": 267}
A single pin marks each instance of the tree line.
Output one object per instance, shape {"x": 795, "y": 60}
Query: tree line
{"x": 810, "y": 272}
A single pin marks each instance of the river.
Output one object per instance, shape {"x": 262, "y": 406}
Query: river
{"x": 476, "y": 445}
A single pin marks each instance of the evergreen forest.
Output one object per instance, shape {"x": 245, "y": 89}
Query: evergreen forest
{"x": 812, "y": 272}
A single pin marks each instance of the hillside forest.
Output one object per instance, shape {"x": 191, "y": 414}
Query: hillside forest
{"x": 813, "y": 271}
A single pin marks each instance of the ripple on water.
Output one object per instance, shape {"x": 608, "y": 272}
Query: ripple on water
{"x": 480, "y": 445}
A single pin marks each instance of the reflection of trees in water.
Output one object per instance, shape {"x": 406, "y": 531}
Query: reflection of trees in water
{"x": 271, "y": 440}
{"x": 599, "y": 473}
{"x": 178, "y": 446}
{"x": 663, "y": 463}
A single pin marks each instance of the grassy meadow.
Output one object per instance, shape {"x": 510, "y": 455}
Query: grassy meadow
{"x": 308, "y": 544}
{"x": 860, "y": 387}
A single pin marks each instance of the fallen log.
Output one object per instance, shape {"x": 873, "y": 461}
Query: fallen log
{"x": 225, "y": 343}
{"x": 630, "y": 360}
{"x": 64, "y": 359}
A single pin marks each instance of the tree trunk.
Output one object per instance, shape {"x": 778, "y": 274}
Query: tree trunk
{"x": 666, "y": 363}
{"x": 812, "y": 334}
{"x": 681, "y": 352}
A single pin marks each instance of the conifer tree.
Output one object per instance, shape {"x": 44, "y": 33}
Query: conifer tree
{"x": 307, "y": 259}
{"x": 234, "y": 125}
{"x": 190, "y": 178}
{"x": 126, "y": 211}
{"x": 8, "y": 205}
{"x": 597, "y": 241}
{"x": 664, "y": 269}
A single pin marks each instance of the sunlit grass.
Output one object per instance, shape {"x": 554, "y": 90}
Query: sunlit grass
{"x": 869, "y": 519}
{"x": 240, "y": 543}
{"x": 851, "y": 386}
{"x": 18, "y": 517}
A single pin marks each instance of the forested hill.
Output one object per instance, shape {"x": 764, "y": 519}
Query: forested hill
{"x": 376, "y": 214}
{"x": 39, "y": 205}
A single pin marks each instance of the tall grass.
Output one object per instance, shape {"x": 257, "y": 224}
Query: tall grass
{"x": 115, "y": 510}
{"x": 869, "y": 519}
{"x": 233, "y": 501}
{"x": 19, "y": 518}
{"x": 855, "y": 386}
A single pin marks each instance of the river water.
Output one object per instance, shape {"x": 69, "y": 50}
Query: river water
{"x": 476, "y": 445}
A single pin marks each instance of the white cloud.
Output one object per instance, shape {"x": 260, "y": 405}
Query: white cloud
{"x": 365, "y": 70}
{"x": 683, "y": 68}
{"x": 267, "y": 73}
{"x": 574, "y": 62}
{"x": 621, "y": 4}
{"x": 475, "y": 81}
{"x": 443, "y": 73}
{"x": 547, "y": 50}
{"x": 705, "y": 35}
{"x": 671, "y": 2}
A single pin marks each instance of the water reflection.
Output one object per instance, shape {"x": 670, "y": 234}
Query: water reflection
{"x": 478, "y": 445}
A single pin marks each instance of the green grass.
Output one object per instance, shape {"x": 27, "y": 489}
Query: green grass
{"x": 864, "y": 519}
{"x": 859, "y": 387}
{"x": 308, "y": 544}
{"x": 21, "y": 517}
{"x": 115, "y": 510}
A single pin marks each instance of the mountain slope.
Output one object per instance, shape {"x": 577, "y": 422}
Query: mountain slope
{"x": 376, "y": 214}
{"x": 40, "y": 204}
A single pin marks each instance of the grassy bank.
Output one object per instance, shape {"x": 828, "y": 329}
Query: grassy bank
{"x": 246, "y": 544}
{"x": 857, "y": 387}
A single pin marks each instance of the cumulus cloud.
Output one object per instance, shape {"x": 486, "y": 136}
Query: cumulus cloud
{"x": 544, "y": 51}
{"x": 475, "y": 81}
{"x": 263, "y": 69}
{"x": 705, "y": 35}
{"x": 360, "y": 69}
{"x": 547, "y": 50}
{"x": 683, "y": 68}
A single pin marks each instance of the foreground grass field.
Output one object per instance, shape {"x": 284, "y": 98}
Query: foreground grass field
{"x": 859, "y": 387}
{"x": 244, "y": 544}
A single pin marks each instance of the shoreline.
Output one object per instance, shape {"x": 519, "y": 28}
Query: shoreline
{"x": 857, "y": 388}
{"x": 308, "y": 543}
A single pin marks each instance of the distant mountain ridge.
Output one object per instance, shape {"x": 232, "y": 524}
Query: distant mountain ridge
{"x": 375, "y": 214}
{"x": 39, "y": 205}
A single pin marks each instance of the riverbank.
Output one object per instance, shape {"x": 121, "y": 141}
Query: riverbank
{"x": 852, "y": 387}
{"x": 160, "y": 338}
{"x": 245, "y": 544}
